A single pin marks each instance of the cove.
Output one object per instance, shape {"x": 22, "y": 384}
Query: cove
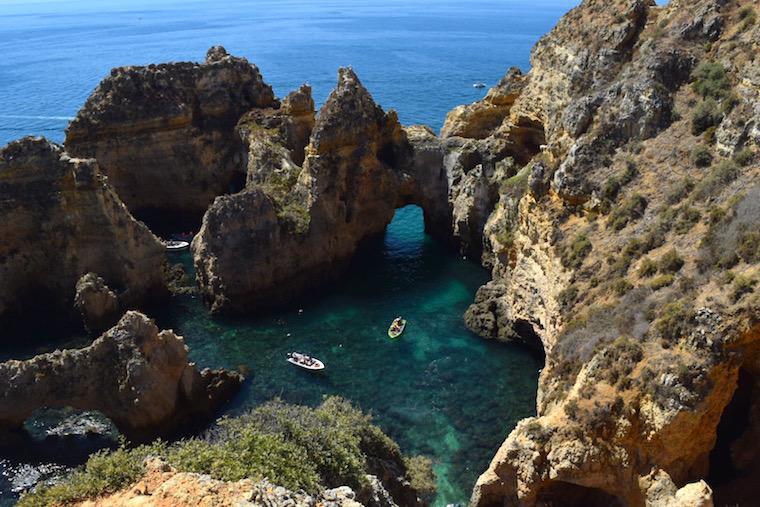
{"x": 439, "y": 390}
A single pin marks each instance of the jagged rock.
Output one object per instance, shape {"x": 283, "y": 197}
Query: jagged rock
{"x": 294, "y": 226}
{"x": 96, "y": 302}
{"x": 479, "y": 119}
{"x": 165, "y": 134}
{"x": 61, "y": 220}
{"x": 134, "y": 374}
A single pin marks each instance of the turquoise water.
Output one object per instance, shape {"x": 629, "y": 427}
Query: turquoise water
{"x": 438, "y": 390}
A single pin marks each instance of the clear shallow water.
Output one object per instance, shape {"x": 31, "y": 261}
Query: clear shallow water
{"x": 439, "y": 390}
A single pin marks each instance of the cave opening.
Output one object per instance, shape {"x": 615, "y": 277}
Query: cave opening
{"x": 734, "y": 460}
{"x": 566, "y": 494}
{"x": 526, "y": 335}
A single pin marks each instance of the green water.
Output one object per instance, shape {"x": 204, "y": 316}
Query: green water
{"x": 439, "y": 390}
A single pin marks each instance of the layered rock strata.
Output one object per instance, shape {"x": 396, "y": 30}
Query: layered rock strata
{"x": 622, "y": 246}
{"x": 61, "y": 220}
{"x": 137, "y": 376}
{"x": 295, "y": 225}
{"x": 165, "y": 134}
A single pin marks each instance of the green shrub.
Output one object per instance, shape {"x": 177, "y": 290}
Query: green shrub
{"x": 711, "y": 81}
{"x": 631, "y": 209}
{"x": 421, "y": 476}
{"x": 104, "y": 473}
{"x": 622, "y": 287}
{"x": 661, "y": 281}
{"x": 577, "y": 251}
{"x": 705, "y": 115}
{"x": 748, "y": 246}
{"x": 680, "y": 190}
{"x": 702, "y": 156}
{"x": 568, "y": 296}
{"x": 742, "y": 285}
{"x": 748, "y": 18}
{"x": 670, "y": 262}
{"x": 516, "y": 186}
{"x": 675, "y": 320}
{"x": 648, "y": 268}
{"x": 293, "y": 446}
{"x": 744, "y": 157}
{"x": 720, "y": 175}
{"x": 688, "y": 218}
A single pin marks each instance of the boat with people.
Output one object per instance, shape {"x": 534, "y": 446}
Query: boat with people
{"x": 174, "y": 245}
{"x": 305, "y": 361}
{"x": 479, "y": 85}
{"x": 397, "y": 327}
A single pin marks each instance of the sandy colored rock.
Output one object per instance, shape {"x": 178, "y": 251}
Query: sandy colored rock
{"x": 165, "y": 134}
{"x": 134, "y": 374}
{"x": 60, "y": 220}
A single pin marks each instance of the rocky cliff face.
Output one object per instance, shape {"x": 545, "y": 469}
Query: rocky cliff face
{"x": 296, "y": 224}
{"x": 134, "y": 374}
{"x": 61, "y": 220}
{"x": 165, "y": 134}
{"x": 623, "y": 246}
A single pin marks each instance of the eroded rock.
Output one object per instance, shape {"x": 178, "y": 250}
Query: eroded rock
{"x": 60, "y": 220}
{"x": 165, "y": 134}
{"x": 134, "y": 374}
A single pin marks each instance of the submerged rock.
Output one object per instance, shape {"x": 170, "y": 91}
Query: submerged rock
{"x": 60, "y": 219}
{"x": 165, "y": 134}
{"x": 134, "y": 374}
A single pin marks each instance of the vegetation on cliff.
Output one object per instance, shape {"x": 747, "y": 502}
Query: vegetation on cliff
{"x": 297, "y": 447}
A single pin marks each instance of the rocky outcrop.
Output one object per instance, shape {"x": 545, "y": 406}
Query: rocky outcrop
{"x": 165, "y": 134}
{"x": 134, "y": 374}
{"x": 295, "y": 226}
{"x": 617, "y": 246}
{"x": 61, "y": 220}
{"x": 98, "y": 304}
{"x": 162, "y": 486}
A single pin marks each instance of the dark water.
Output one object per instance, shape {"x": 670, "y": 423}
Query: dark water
{"x": 439, "y": 390}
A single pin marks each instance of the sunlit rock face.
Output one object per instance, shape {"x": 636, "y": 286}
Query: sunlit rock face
{"x": 165, "y": 134}
{"x": 295, "y": 225}
{"x": 134, "y": 374}
{"x": 60, "y": 219}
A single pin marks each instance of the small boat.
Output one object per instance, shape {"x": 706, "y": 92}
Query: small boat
{"x": 174, "y": 245}
{"x": 306, "y": 362}
{"x": 479, "y": 85}
{"x": 397, "y": 327}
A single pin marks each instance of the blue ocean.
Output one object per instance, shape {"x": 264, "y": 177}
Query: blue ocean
{"x": 440, "y": 390}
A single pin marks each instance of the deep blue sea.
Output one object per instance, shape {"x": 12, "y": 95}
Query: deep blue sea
{"x": 439, "y": 390}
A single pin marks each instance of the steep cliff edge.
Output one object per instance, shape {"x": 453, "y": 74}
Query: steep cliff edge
{"x": 165, "y": 134}
{"x": 624, "y": 245}
{"x": 60, "y": 219}
{"x": 134, "y": 374}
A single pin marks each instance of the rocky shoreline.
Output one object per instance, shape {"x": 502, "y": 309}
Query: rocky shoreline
{"x": 612, "y": 191}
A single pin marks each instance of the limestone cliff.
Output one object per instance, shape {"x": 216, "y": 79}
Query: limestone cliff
{"x": 134, "y": 374}
{"x": 60, "y": 219}
{"x": 295, "y": 225}
{"x": 165, "y": 134}
{"x": 623, "y": 244}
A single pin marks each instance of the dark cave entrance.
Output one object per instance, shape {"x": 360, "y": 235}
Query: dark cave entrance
{"x": 566, "y": 494}
{"x": 527, "y": 336}
{"x": 735, "y": 459}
